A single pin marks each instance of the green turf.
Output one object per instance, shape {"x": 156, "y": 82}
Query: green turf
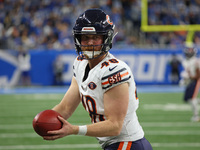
{"x": 164, "y": 117}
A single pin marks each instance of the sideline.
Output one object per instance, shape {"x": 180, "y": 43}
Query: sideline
{"x": 88, "y": 146}
{"x": 151, "y": 133}
{"x": 63, "y": 89}
{"x": 144, "y": 124}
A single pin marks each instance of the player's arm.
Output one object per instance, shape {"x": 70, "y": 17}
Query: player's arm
{"x": 197, "y": 74}
{"x": 70, "y": 101}
{"x": 115, "y": 104}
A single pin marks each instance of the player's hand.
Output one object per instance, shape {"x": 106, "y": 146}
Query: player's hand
{"x": 67, "y": 129}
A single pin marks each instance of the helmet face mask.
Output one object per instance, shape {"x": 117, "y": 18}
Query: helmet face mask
{"x": 93, "y": 22}
{"x": 90, "y": 51}
{"x": 190, "y": 52}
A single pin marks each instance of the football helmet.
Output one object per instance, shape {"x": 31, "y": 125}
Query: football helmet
{"x": 93, "y": 21}
{"x": 190, "y": 52}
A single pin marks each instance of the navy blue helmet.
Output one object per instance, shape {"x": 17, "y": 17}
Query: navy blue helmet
{"x": 94, "y": 21}
{"x": 190, "y": 52}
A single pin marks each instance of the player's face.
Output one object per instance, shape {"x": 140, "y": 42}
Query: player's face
{"x": 91, "y": 42}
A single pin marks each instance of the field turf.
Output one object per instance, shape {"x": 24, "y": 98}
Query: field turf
{"x": 164, "y": 117}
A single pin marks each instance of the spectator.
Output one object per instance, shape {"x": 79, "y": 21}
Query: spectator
{"x": 58, "y": 68}
{"x": 24, "y": 66}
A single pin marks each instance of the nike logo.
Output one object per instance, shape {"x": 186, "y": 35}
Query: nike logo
{"x": 110, "y": 69}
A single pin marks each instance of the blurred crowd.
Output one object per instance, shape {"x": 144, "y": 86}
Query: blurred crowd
{"x": 173, "y": 12}
{"x": 47, "y": 24}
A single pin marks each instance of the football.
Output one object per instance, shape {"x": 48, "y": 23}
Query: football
{"x": 45, "y": 121}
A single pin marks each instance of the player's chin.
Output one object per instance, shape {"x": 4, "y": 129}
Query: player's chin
{"x": 91, "y": 57}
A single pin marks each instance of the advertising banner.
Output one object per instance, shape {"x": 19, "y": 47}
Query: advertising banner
{"x": 149, "y": 67}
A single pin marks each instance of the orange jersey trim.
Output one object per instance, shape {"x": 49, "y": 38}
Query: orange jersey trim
{"x": 129, "y": 146}
{"x": 106, "y": 82}
{"x": 120, "y": 146}
{"x": 126, "y": 73}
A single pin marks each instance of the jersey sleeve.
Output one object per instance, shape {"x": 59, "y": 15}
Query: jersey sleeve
{"x": 114, "y": 76}
{"x": 76, "y": 64}
{"x": 198, "y": 63}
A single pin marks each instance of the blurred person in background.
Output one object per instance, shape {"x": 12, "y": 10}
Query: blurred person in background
{"x": 24, "y": 59}
{"x": 58, "y": 68}
{"x": 105, "y": 85}
{"x": 191, "y": 78}
{"x": 175, "y": 64}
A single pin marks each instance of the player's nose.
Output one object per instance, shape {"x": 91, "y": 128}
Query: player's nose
{"x": 91, "y": 41}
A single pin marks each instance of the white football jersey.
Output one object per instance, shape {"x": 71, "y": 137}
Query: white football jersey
{"x": 108, "y": 73}
{"x": 190, "y": 65}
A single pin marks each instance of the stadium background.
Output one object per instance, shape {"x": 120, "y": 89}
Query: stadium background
{"x": 43, "y": 28}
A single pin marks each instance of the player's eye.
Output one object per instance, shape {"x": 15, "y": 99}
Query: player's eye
{"x": 95, "y": 37}
{"x": 84, "y": 38}
{"x": 98, "y": 37}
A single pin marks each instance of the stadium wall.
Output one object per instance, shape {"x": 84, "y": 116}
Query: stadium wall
{"x": 149, "y": 67}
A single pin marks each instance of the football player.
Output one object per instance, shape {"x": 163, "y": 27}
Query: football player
{"x": 191, "y": 77}
{"x": 104, "y": 85}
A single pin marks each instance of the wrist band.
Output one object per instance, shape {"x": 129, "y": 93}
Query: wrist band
{"x": 82, "y": 130}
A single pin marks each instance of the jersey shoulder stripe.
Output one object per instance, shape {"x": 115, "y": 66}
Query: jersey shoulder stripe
{"x": 111, "y": 84}
{"x": 121, "y": 70}
{"x": 115, "y": 78}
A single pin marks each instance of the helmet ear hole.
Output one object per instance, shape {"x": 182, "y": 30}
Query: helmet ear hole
{"x": 108, "y": 39}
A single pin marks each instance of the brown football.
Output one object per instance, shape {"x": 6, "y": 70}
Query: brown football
{"x": 45, "y": 121}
